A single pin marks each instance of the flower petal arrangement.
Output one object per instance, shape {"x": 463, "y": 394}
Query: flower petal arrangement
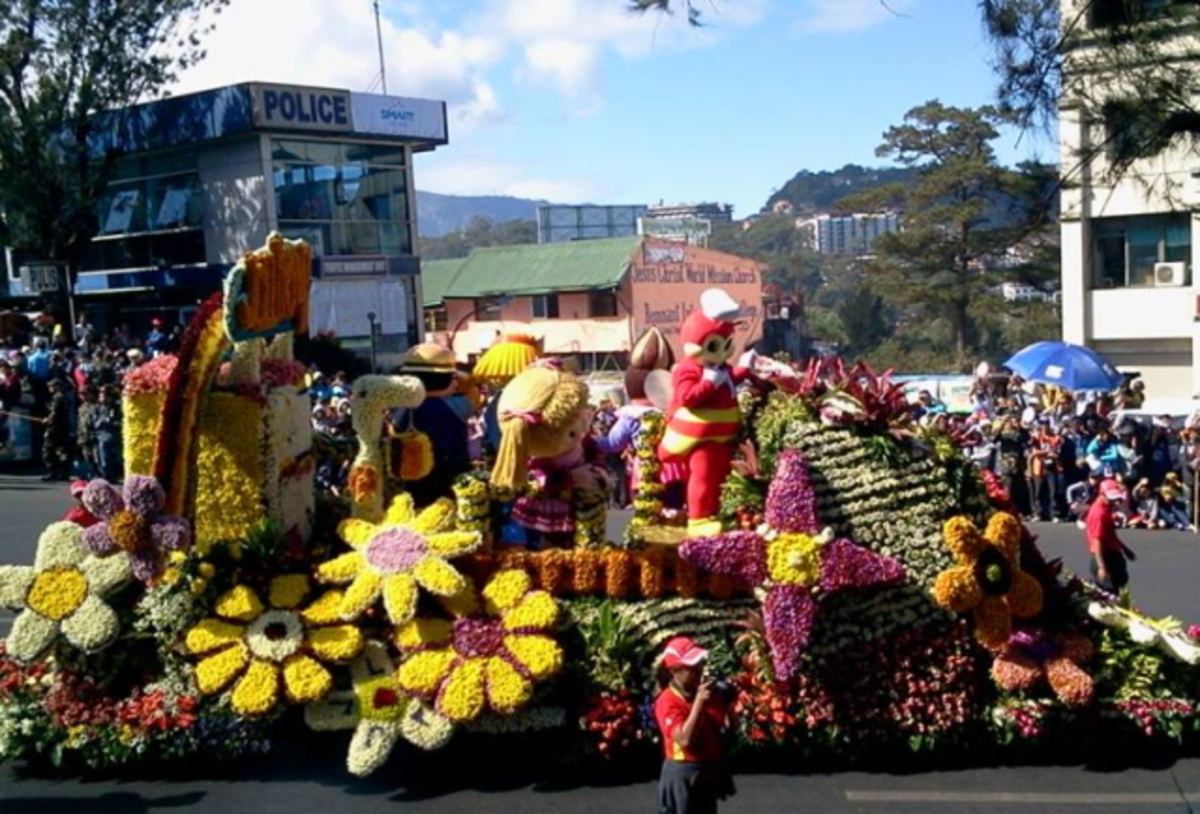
{"x": 274, "y": 650}
{"x": 379, "y": 713}
{"x": 396, "y": 557}
{"x": 62, "y": 594}
{"x": 1031, "y": 657}
{"x": 489, "y": 657}
{"x": 988, "y": 582}
{"x": 133, "y": 525}
{"x": 794, "y": 560}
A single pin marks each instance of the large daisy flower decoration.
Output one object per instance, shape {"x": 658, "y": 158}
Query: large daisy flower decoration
{"x": 274, "y": 649}
{"x": 489, "y": 657}
{"x": 392, "y": 559}
{"x": 62, "y": 594}
{"x": 379, "y": 712}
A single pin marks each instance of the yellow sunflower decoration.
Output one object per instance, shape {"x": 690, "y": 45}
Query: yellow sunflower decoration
{"x": 273, "y": 648}
{"x": 395, "y": 556}
{"x": 987, "y": 581}
{"x": 489, "y": 657}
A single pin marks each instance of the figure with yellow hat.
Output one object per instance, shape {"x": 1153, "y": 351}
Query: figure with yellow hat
{"x": 547, "y": 456}
{"x": 436, "y": 432}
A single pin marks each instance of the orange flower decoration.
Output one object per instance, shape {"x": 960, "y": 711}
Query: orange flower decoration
{"x": 364, "y": 480}
{"x": 988, "y": 580}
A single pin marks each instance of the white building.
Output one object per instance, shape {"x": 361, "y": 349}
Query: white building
{"x": 1129, "y": 246}
{"x": 848, "y": 234}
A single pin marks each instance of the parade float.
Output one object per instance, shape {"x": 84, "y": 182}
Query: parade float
{"x": 858, "y": 583}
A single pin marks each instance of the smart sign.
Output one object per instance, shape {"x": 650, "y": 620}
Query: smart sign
{"x": 299, "y": 108}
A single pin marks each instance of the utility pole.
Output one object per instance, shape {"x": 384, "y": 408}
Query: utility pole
{"x": 379, "y": 39}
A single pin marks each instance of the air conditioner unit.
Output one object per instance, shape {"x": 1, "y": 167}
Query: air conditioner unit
{"x": 1170, "y": 274}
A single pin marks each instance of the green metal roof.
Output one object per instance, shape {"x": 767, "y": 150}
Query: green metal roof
{"x": 436, "y": 276}
{"x": 582, "y": 265}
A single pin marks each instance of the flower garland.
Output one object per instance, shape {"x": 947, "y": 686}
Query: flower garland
{"x": 395, "y": 557}
{"x": 647, "y": 502}
{"x": 199, "y": 357}
{"x": 987, "y": 581}
{"x": 652, "y": 573}
{"x": 62, "y": 594}
{"x": 265, "y": 646}
{"x": 473, "y": 509}
{"x": 133, "y": 525}
{"x": 792, "y": 560}
{"x": 378, "y": 712}
{"x": 488, "y": 658}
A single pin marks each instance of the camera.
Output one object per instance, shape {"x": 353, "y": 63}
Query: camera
{"x": 722, "y": 687}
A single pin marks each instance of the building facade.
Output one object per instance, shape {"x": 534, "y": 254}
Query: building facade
{"x": 853, "y": 235}
{"x": 205, "y": 177}
{"x": 711, "y": 212}
{"x": 1129, "y": 243}
{"x": 589, "y": 300}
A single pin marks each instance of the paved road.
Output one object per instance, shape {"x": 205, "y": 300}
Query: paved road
{"x": 307, "y": 776}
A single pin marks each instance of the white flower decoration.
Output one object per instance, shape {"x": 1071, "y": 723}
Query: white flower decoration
{"x": 62, "y": 594}
{"x": 379, "y": 713}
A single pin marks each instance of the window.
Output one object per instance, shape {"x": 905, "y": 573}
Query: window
{"x": 352, "y": 197}
{"x": 602, "y": 304}
{"x": 1126, "y": 249}
{"x": 1130, "y": 133}
{"x": 487, "y": 309}
{"x": 1108, "y": 13}
{"x": 436, "y": 320}
{"x": 545, "y": 306}
{"x": 151, "y": 216}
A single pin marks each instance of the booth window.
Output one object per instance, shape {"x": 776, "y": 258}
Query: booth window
{"x": 345, "y": 198}
{"x": 1125, "y": 250}
{"x": 545, "y": 306}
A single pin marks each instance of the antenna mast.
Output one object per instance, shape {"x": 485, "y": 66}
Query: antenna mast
{"x": 379, "y": 40}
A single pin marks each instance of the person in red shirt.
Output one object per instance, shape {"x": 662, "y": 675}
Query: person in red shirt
{"x": 692, "y": 716}
{"x": 1106, "y": 549}
{"x": 78, "y": 513}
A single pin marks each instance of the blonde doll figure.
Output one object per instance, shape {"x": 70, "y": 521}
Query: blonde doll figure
{"x": 549, "y": 460}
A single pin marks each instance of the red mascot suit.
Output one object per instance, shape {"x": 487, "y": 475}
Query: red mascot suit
{"x": 703, "y": 418}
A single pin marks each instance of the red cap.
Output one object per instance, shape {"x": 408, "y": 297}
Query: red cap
{"x": 77, "y": 487}
{"x": 683, "y": 652}
{"x": 1112, "y": 490}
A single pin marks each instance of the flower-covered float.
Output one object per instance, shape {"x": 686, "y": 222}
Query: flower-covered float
{"x": 865, "y": 590}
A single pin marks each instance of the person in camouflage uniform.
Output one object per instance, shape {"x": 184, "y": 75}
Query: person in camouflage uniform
{"x": 56, "y": 438}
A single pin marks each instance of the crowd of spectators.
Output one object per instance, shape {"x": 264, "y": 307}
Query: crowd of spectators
{"x": 66, "y": 386}
{"x": 1052, "y": 449}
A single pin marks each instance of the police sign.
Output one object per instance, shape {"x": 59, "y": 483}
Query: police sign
{"x": 300, "y": 108}
{"x": 40, "y": 278}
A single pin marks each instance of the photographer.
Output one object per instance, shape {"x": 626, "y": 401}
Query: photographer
{"x": 692, "y": 713}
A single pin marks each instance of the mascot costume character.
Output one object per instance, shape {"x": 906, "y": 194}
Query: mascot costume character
{"x": 703, "y": 419}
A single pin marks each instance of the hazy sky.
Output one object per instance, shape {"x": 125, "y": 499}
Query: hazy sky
{"x": 577, "y": 100}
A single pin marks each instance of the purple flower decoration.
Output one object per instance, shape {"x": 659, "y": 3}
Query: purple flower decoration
{"x": 794, "y": 560}
{"x": 133, "y": 523}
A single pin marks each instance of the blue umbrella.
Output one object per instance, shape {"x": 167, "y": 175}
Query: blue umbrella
{"x": 1071, "y": 367}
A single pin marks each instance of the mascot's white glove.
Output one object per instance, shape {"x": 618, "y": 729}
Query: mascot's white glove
{"x": 748, "y": 359}
{"x": 718, "y": 376}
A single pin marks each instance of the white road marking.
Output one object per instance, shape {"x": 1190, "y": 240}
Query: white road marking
{"x": 1024, "y": 798}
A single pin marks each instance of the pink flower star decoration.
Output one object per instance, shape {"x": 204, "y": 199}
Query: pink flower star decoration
{"x": 133, "y": 524}
{"x": 794, "y": 560}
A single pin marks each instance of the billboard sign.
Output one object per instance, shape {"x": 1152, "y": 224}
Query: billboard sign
{"x": 417, "y": 119}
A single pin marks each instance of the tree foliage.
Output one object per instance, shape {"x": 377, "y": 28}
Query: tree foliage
{"x": 480, "y": 233}
{"x": 942, "y": 259}
{"x": 62, "y": 63}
